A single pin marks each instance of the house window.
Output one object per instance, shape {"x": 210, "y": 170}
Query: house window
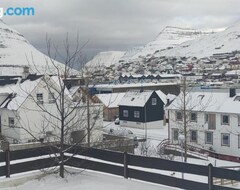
{"x": 175, "y": 134}
{"x": 179, "y": 116}
{"x": 125, "y": 113}
{"x": 211, "y": 121}
{"x": 154, "y": 101}
{"x": 238, "y": 141}
{"x": 136, "y": 114}
{"x": 208, "y": 137}
{"x": 225, "y": 119}
{"x": 39, "y": 98}
{"x": 194, "y": 117}
{"x": 225, "y": 139}
{"x": 11, "y": 122}
{"x": 193, "y": 136}
{"x": 51, "y": 98}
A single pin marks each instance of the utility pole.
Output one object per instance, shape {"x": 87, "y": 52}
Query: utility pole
{"x": 88, "y": 115}
{"x": 184, "y": 118}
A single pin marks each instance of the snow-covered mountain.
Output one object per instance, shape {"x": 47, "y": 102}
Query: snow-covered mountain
{"x": 16, "y": 52}
{"x": 169, "y": 38}
{"x": 106, "y": 59}
{"x": 225, "y": 41}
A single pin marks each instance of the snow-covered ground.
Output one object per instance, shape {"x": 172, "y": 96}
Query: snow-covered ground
{"x": 87, "y": 180}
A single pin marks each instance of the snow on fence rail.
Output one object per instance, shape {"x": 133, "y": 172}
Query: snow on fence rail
{"x": 117, "y": 163}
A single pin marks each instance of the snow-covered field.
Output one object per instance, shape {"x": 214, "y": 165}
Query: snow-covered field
{"x": 87, "y": 180}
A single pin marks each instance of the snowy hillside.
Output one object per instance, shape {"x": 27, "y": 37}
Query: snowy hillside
{"x": 222, "y": 42}
{"x": 168, "y": 38}
{"x": 16, "y": 52}
{"x": 106, "y": 59}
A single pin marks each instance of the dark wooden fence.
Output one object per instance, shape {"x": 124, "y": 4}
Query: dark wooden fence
{"x": 121, "y": 164}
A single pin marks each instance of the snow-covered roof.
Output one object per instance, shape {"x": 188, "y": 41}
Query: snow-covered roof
{"x": 73, "y": 90}
{"x": 162, "y": 96}
{"x": 217, "y": 102}
{"x": 17, "y": 93}
{"x": 135, "y": 98}
{"x": 139, "y": 99}
{"x": 111, "y": 100}
{"x": 129, "y": 85}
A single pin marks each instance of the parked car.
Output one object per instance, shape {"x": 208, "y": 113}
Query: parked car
{"x": 117, "y": 121}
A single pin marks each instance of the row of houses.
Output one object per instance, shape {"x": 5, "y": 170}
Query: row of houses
{"x": 212, "y": 117}
{"x": 135, "y": 108}
{"x": 28, "y": 112}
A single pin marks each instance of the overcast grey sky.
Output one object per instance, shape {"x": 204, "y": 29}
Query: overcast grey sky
{"x": 116, "y": 24}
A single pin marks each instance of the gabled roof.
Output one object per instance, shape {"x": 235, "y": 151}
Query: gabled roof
{"x": 216, "y": 102}
{"x": 20, "y": 92}
{"x": 135, "y": 98}
{"x": 162, "y": 96}
{"x": 111, "y": 100}
{"x": 139, "y": 99}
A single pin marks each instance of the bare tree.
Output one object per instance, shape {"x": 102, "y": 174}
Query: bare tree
{"x": 60, "y": 120}
{"x": 186, "y": 108}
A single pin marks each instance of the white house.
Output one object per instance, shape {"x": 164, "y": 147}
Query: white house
{"x": 212, "y": 120}
{"x": 30, "y": 111}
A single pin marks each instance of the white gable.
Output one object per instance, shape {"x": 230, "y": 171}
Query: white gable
{"x": 135, "y": 98}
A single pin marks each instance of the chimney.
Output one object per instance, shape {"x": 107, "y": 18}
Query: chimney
{"x": 168, "y": 101}
{"x": 25, "y": 72}
{"x": 232, "y": 92}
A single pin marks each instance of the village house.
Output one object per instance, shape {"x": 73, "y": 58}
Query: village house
{"x": 142, "y": 109}
{"x": 29, "y": 112}
{"x": 110, "y": 103}
{"x": 212, "y": 120}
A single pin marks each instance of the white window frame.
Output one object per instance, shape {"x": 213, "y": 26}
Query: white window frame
{"x": 11, "y": 122}
{"x": 177, "y": 116}
{"x": 193, "y": 120}
{"x": 206, "y": 139}
{"x": 191, "y": 139}
{"x": 39, "y": 100}
{"x": 136, "y": 114}
{"x": 125, "y": 113}
{"x": 154, "y": 101}
{"x": 173, "y": 134}
{"x": 222, "y": 122}
{"x": 224, "y": 144}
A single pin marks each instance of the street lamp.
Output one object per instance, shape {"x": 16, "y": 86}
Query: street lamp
{"x": 181, "y": 140}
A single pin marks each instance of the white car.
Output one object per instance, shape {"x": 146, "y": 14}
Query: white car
{"x": 117, "y": 121}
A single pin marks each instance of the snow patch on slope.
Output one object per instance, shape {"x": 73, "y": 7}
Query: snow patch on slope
{"x": 106, "y": 59}
{"x": 222, "y": 42}
{"x": 16, "y": 52}
{"x": 170, "y": 37}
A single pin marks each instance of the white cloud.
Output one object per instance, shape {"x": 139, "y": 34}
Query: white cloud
{"x": 117, "y": 25}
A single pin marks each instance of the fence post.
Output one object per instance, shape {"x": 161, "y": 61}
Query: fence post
{"x": 210, "y": 177}
{"x": 125, "y": 162}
